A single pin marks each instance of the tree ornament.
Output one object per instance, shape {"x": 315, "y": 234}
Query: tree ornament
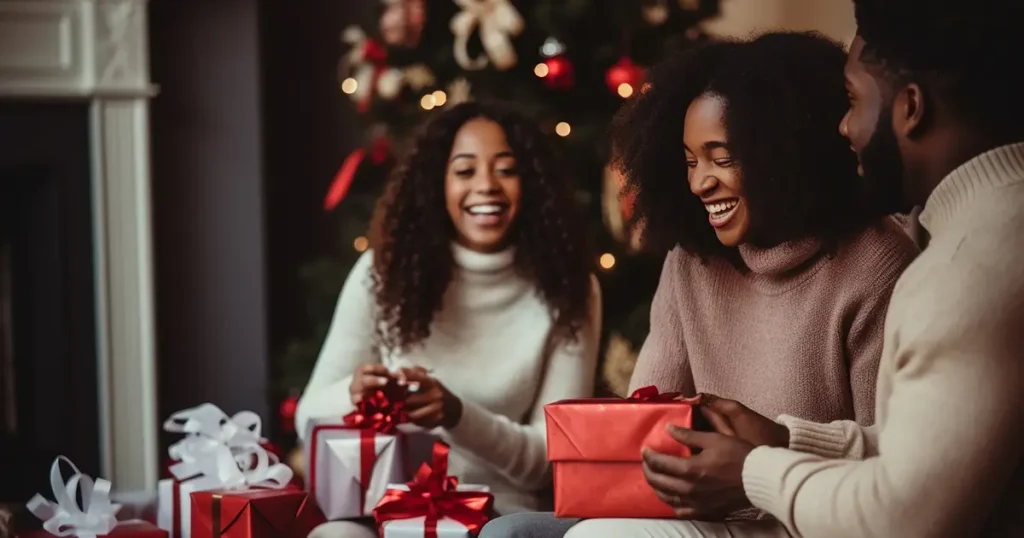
{"x": 552, "y": 47}
{"x": 557, "y": 73}
{"x": 401, "y": 24}
{"x": 362, "y": 66}
{"x": 625, "y": 77}
{"x": 655, "y": 12}
{"x": 459, "y": 91}
{"x": 498, "y": 22}
{"x": 286, "y": 413}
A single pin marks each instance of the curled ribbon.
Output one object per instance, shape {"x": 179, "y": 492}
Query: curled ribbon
{"x": 498, "y": 21}
{"x": 434, "y": 495}
{"x": 95, "y": 516}
{"x": 222, "y": 452}
{"x": 365, "y": 62}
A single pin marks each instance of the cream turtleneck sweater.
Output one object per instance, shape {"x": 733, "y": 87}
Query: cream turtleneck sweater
{"x": 944, "y": 459}
{"x": 489, "y": 345}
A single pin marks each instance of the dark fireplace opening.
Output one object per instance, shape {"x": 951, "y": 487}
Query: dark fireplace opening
{"x": 48, "y": 366}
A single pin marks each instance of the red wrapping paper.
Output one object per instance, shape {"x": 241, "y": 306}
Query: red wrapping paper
{"x": 595, "y": 446}
{"x": 255, "y": 513}
{"x": 124, "y": 529}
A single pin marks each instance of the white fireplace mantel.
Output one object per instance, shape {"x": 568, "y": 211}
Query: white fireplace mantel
{"x": 96, "y": 51}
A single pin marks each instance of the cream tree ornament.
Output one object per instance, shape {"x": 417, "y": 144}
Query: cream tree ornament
{"x": 497, "y": 22}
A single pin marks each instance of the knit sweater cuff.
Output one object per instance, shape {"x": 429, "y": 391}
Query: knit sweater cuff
{"x": 763, "y": 477}
{"x": 825, "y": 440}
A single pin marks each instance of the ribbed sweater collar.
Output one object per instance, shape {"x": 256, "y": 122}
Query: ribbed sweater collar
{"x": 999, "y": 167}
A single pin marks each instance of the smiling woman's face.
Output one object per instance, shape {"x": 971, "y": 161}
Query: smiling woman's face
{"x": 482, "y": 187}
{"x": 713, "y": 174}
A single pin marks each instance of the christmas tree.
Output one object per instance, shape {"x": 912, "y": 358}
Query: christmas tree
{"x": 569, "y": 63}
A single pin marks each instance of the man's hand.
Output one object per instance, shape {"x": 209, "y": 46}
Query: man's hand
{"x": 707, "y": 486}
{"x": 366, "y": 379}
{"x": 730, "y": 417}
{"x": 430, "y": 404}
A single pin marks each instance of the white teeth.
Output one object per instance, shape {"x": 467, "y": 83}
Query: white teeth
{"x": 485, "y": 209}
{"x": 721, "y": 207}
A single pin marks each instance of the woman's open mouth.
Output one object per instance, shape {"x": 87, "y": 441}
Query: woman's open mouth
{"x": 721, "y": 212}
{"x": 489, "y": 214}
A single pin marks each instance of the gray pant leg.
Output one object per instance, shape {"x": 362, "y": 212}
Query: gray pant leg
{"x": 528, "y": 525}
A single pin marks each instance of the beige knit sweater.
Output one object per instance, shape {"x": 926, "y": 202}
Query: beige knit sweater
{"x": 800, "y": 333}
{"x": 944, "y": 459}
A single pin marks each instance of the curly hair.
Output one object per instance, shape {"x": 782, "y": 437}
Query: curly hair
{"x": 964, "y": 52}
{"x": 784, "y": 97}
{"x": 411, "y": 231}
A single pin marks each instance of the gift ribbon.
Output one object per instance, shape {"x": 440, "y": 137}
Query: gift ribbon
{"x": 497, "y": 20}
{"x": 215, "y": 515}
{"x": 650, "y": 394}
{"x": 377, "y": 152}
{"x": 95, "y": 516}
{"x": 433, "y": 495}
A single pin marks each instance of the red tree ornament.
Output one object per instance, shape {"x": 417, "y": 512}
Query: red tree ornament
{"x": 625, "y": 77}
{"x": 559, "y": 74}
{"x": 286, "y": 412}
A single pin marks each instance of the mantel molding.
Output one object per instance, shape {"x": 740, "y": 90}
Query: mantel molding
{"x": 74, "y": 49}
{"x": 97, "y": 51}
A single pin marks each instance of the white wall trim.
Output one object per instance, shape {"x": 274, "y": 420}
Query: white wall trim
{"x": 97, "y": 51}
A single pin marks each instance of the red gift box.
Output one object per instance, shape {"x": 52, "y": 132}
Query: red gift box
{"x": 124, "y": 529}
{"x": 595, "y": 446}
{"x": 254, "y": 513}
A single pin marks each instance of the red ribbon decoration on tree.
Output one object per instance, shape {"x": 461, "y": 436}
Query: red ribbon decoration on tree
{"x": 377, "y": 151}
{"x": 380, "y": 412}
{"x": 433, "y": 495}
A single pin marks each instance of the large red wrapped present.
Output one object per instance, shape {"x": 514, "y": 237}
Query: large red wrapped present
{"x": 124, "y": 529}
{"x": 595, "y": 446}
{"x": 254, "y": 513}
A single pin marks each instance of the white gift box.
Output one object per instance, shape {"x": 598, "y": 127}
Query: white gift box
{"x": 333, "y": 456}
{"x": 180, "y": 505}
{"x": 414, "y": 527}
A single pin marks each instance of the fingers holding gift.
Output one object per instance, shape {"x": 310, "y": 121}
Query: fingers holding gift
{"x": 367, "y": 378}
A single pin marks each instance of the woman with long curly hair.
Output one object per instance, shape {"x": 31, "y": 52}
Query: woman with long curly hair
{"x": 780, "y": 263}
{"x": 479, "y": 290}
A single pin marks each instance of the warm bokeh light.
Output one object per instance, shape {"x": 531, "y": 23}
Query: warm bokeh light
{"x": 541, "y": 70}
{"x": 349, "y": 85}
{"x": 563, "y": 129}
{"x": 428, "y": 101}
{"x": 361, "y": 244}
{"x": 440, "y": 98}
{"x": 625, "y": 90}
{"x": 607, "y": 261}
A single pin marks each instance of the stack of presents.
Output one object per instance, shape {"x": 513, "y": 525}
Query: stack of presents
{"x": 370, "y": 463}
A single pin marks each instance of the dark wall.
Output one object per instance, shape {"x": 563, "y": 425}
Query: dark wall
{"x": 248, "y": 130}
{"x": 208, "y": 205}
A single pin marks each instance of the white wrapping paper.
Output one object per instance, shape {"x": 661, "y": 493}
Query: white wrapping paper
{"x": 334, "y": 469}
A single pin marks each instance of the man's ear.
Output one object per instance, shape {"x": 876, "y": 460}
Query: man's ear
{"x": 909, "y": 110}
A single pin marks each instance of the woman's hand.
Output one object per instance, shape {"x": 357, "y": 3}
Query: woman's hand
{"x": 430, "y": 404}
{"x": 366, "y": 379}
{"x": 732, "y": 418}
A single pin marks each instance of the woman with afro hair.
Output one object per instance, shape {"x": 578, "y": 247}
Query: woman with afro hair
{"x": 780, "y": 263}
{"x": 478, "y": 290}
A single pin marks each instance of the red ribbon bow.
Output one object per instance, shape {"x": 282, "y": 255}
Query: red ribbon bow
{"x": 650, "y": 394}
{"x": 433, "y": 495}
{"x": 380, "y": 412}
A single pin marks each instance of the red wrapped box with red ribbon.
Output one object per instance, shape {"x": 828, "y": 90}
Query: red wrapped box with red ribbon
{"x": 353, "y": 459}
{"x": 433, "y": 504}
{"x": 253, "y": 513}
{"x": 594, "y": 446}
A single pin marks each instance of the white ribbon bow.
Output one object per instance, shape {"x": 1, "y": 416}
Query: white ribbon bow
{"x": 498, "y": 21}
{"x": 95, "y": 516}
{"x": 221, "y": 452}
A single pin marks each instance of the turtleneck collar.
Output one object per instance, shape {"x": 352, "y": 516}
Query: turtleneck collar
{"x": 780, "y": 259}
{"x": 483, "y": 262}
{"x": 995, "y": 168}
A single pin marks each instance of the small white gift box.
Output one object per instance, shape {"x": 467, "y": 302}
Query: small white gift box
{"x": 416, "y": 527}
{"x": 350, "y": 469}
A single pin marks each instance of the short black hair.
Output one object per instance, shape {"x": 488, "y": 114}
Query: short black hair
{"x": 966, "y": 52}
{"x": 784, "y": 95}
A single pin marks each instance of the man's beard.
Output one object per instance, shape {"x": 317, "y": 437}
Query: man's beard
{"x": 883, "y": 168}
